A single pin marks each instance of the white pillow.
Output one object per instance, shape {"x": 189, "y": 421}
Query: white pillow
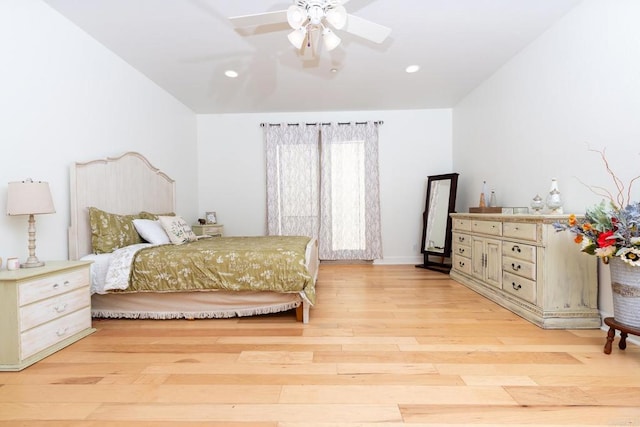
{"x": 177, "y": 228}
{"x": 151, "y": 231}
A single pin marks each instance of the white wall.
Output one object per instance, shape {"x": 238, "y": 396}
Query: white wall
{"x": 66, "y": 98}
{"x": 578, "y": 85}
{"x": 413, "y": 145}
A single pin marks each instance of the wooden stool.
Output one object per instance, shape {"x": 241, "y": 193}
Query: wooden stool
{"x": 624, "y": 330}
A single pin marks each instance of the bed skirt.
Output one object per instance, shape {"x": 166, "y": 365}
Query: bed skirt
{"x": 191, "y": 305}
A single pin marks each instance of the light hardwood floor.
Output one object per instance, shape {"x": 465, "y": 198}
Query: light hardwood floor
{"x": 386, "y": 345}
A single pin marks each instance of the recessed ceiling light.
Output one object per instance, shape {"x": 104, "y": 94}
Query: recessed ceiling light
{"x": 231, "y": 74}
{"x": 412, "y": 68}
{"x": 334, "y": 70}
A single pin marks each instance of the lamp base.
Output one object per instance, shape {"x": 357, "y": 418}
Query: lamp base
{"x": 31, "y": 264}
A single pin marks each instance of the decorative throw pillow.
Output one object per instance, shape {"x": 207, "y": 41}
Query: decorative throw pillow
{"x": 111, "y": 231}
{"x": 154, "y": 216}
{"x": 151, "y": 231}
{"x": 177, "y": 228}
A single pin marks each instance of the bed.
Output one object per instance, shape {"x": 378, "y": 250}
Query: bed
{"x": 130, "y": 185}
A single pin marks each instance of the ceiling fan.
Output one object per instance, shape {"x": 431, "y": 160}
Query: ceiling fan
{"x": 311, "y": 18}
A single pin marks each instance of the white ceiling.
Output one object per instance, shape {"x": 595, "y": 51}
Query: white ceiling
{"x": 186, "y": 45}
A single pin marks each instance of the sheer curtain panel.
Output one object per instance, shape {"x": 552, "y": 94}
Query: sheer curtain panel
{"x": 322, "y": 181}
{"x": 292, "y": 158}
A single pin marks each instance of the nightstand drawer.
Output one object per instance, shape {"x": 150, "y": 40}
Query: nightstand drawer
{"x": 215, "y": 230}
{"x": 52, "y": 285}
{"x": 46, "y": 335}
{"x": 43, "y": 311}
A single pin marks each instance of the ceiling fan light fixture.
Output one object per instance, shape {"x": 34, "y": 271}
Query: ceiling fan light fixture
{"x": 297, "y": 37}
{"x": 331, "y": 41}
{"x": 296, "y": 16}
{"x": 337, "y": 17}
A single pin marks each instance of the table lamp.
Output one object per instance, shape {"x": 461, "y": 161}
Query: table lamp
{"x": 30, "y": 198}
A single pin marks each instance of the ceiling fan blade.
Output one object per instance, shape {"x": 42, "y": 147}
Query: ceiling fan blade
{"x": 366, "y": 29}
{"x": 258, "y": 19}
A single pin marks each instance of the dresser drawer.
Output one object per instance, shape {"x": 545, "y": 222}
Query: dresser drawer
{"x": 461, "y": 224}
{"x": 519, "y": 267}
{"x": 52, "y": 285}
{"x": 41, "y": 337}
{"x": 493, "y": 228}
{"x": 519, "y": 251}
{"x": 461, "y": 264}
{"x": 43, "y": 311}
{"x": 462, "y": 250}
{"x": 518, "y": 230}
{"x": 461, "y": 239}
{"x": 519, "y": 286}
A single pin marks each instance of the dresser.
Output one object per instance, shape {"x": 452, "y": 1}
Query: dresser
{"x": 523, "y": 264}
{"x": 42, "y": 310}
{"x": 215, "y": 230}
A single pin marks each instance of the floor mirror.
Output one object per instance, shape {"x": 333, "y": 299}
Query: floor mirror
{"x": 436, "y": 227}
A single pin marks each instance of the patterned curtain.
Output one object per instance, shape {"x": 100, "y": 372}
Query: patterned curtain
{"x": 292, "y": 180}
{"x": 322, "y": 181}
{"x": 349, "y": 195}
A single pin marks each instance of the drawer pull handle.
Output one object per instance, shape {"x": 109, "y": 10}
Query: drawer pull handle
{"x": 516, "y": 287}
{"x": 516, "y": 248}
{"x": 63, "y": 332}
{"x": 516, "y": 267}
{"x": 57, "y": 285}
{"x": 460, "y": 239}
{"x": 60, "y": 308}
{"x": 461, "y": 264}
{"x": 461, "y": 250}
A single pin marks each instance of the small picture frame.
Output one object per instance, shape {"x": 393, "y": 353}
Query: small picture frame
{"x": 211, "y": 217}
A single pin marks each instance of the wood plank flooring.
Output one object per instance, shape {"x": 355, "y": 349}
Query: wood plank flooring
{"x": 386, "y": 345}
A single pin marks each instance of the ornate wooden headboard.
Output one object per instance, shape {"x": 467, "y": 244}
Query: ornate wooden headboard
{"x": 123, "y": 185}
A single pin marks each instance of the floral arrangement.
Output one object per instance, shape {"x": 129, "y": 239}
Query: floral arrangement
{"x": 609, "y": 229}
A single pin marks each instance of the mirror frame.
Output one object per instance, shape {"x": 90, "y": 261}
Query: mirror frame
{"x": 441, "y": 266}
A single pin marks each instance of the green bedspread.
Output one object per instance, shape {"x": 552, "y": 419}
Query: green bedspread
{"x": 269, "y": 263}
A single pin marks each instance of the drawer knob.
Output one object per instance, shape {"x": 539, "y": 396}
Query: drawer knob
{"x": 516, "y": 287}
{"x": 516, "y": 267}
{"x": 461, "y": 264}
{"x": 461, "y": 250}
{"x": 56, "y": 285}
{"x": 516, "y": 248}
{"x": 60, "y": 308}
{"x": 62, "y": 332}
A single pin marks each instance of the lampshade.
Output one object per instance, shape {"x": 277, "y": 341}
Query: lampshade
{"x": 29, "y": 197}
{"x": 295, "y": 16}
{"x": 331, "y": 41}
{"x": 337, "y": 17}
{"x": 297, "y": 37}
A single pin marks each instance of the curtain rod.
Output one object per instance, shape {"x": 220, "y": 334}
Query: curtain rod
{"x": 379, "y": 122}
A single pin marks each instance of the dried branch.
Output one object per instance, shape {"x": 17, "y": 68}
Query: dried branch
{"x": 600, "y": 191}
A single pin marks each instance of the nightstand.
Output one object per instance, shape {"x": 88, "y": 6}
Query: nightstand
{"x": 42, "y": 310}
{"x": 215, "y": 230}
